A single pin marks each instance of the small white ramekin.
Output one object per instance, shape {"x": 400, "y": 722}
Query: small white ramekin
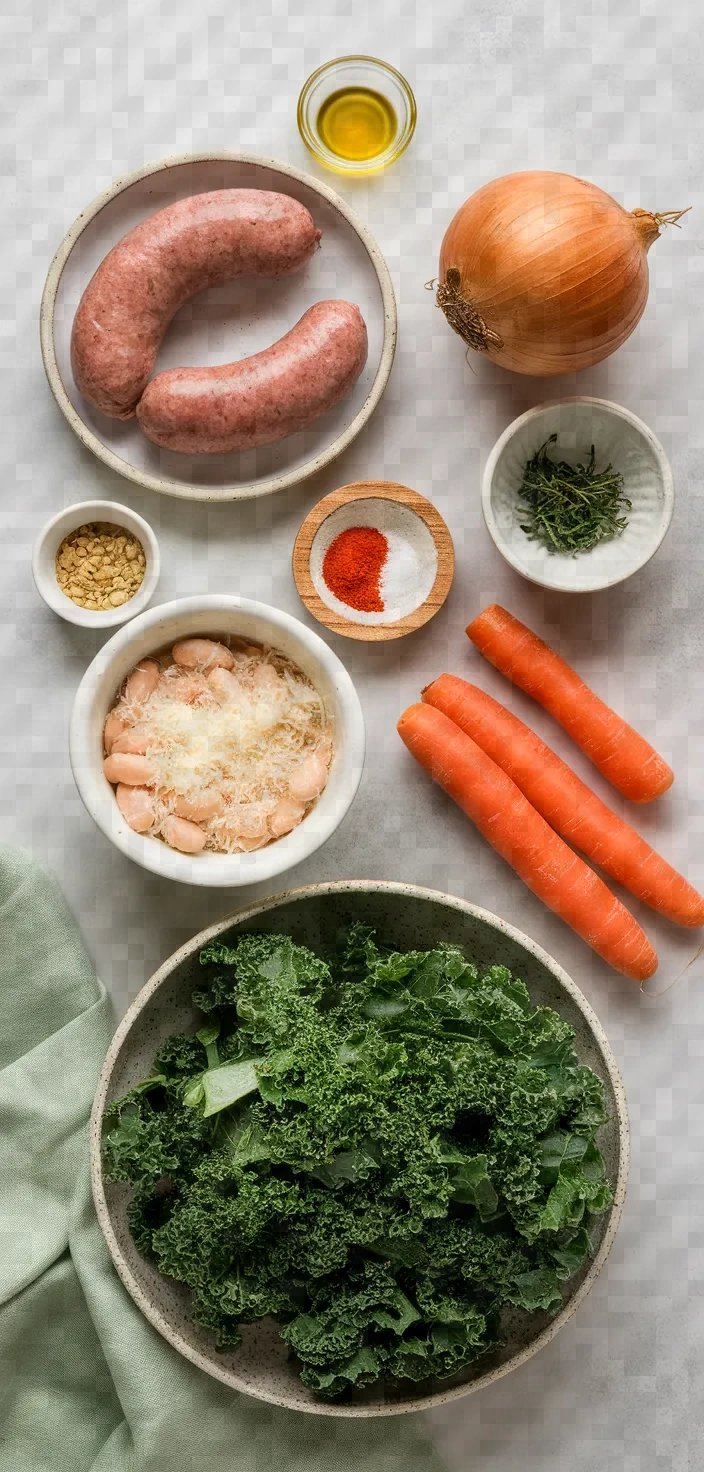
{"x": 216, "y": 615}
{"x": 47, "y": 546}
{"x": 618, "y": 437}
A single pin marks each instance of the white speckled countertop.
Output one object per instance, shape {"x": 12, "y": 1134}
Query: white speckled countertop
{"x": 598, "y": 90}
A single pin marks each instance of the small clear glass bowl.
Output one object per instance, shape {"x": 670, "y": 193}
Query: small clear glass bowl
{"x": 349, "y": 72}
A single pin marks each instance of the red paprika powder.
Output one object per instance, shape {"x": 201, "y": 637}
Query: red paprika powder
{"x": 352, "y": 568}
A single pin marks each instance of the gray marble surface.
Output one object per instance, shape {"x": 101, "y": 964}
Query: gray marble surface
{"x": 587, "y": 86}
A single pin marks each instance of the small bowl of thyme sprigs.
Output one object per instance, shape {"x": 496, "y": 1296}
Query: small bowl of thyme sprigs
{"x": 577, "y": 494}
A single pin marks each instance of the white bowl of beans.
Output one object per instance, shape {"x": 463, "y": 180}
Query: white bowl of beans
{"x": 197, "y": 656}
{"x": 96, "y": 564}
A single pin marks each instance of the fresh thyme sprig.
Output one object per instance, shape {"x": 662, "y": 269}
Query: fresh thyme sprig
{"x": 570, "y": 508}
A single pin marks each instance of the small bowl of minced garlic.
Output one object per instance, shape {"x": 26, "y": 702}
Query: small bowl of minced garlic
{"x": 96, "y": 564}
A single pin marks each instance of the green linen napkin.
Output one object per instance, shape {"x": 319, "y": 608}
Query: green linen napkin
{"x": 85, "y": 1381}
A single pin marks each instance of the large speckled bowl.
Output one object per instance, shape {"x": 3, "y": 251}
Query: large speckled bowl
{"x": 409, "y": 918}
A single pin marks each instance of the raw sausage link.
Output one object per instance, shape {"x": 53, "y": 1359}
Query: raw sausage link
{"x": 200, "y": 241}
{"x": 263, "y": 398}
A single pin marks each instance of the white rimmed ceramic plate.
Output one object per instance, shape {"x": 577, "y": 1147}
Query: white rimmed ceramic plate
{"x": 618, "y": 436}
{"x": 223, "y": 324}
{"x": 407, "y": 917}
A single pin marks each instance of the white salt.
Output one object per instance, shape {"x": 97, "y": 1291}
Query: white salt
{"x": 402, "y": 578}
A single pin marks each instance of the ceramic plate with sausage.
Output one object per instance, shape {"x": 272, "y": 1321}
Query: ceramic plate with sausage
{"x": 216, "y": 328}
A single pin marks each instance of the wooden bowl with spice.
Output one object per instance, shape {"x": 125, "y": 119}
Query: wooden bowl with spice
{"x": 96, "y": 564}
{"x": 577, "y": 494}
{"x": 373, "y": 560}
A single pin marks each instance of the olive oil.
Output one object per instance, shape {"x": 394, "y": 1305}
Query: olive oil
{"x": 357, "y": 123}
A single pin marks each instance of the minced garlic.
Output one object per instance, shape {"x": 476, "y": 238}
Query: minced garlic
{"x": 100, "y": 566}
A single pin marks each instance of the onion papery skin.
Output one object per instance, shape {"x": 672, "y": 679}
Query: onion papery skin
{"x": 555, "y": 268}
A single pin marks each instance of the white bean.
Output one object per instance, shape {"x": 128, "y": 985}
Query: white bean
{"x": 134, "y": 740}
{"x": 266, "y": 679}
{"x": 142, "y": 682}
{"x": 137, "y": 807}
{"x": 185, "y": 836}
{"x": 233, "y": 826}
{"x": 225, "y": 685}
{"x": 185, "y": 686}
{"x": 201, "y": 654}
{"x": 114, "y": 727}
{"x": 286, "y": 815}
{"x": 309, "y": 778}
{"x": 200, "y": 809}
{"x": 126, "y": 767}
{"x": 249, "y": 822}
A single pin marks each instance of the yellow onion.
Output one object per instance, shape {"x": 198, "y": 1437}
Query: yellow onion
{"x": 544, "y": 273}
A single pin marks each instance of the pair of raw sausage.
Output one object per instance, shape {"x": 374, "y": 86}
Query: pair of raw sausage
{"x": 199, "y": 242}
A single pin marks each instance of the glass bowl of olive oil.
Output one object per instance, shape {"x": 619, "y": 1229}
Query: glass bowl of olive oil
{"x": 356, "y": 115}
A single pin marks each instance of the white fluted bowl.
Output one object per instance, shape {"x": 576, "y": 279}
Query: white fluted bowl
{"x": 618, "y": 436}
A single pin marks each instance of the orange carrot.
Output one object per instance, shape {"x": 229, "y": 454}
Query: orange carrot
{"x": 518, "y": 833}
{"x": 626, "y": 759}
{"x": 565, "y": 802}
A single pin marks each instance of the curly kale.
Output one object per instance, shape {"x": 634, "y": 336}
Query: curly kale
{"x": 383, "y": 1151}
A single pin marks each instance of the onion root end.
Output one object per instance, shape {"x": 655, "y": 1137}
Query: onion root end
{"x": 463, "y": 316}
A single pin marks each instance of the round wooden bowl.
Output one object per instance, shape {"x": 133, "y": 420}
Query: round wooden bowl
{"x": 416, "y": 524}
